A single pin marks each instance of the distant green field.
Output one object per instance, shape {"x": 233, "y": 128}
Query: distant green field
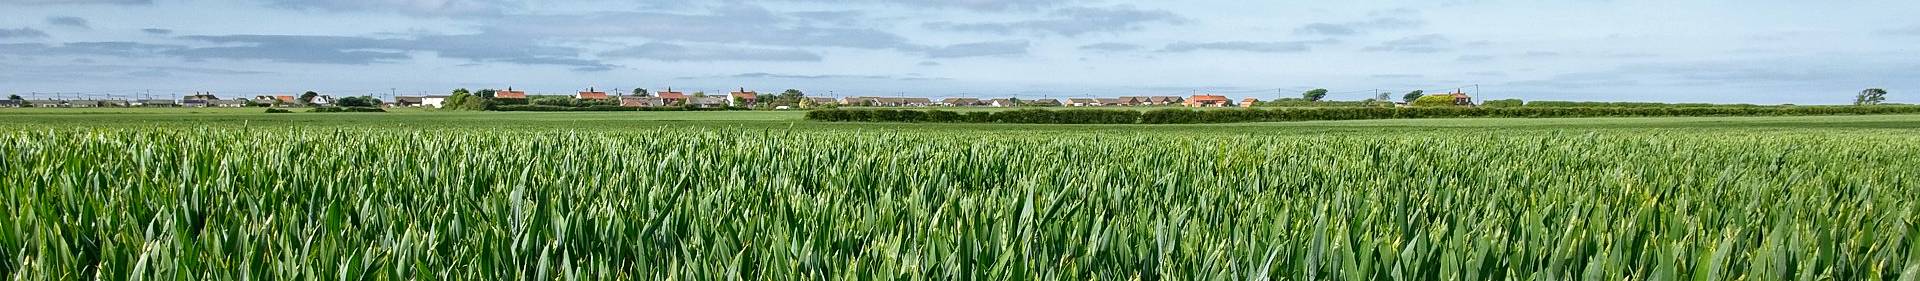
{"x": 229, "y": 194}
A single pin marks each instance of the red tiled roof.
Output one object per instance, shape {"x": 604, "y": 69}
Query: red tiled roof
{"x": 592, "y": 95}
{"x": 509, "y": 93}
{"x": 1208, "y": 98}
{"x": 284, "y": 98}
{"x": 671, "y": 95}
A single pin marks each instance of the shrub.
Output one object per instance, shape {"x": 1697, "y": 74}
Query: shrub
{"x": 1433, "y": 101}
{"x": 277, "y": 110}
{"x": 331, "y": 109}
{"x": 1503, "y": 103}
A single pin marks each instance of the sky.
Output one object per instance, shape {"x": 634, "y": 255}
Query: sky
{"x": 1748, "y": 51}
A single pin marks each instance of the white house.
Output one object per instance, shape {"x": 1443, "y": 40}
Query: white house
{"x": 433, "y": 101}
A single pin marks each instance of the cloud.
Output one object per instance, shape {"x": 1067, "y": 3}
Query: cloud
{"x": 929, "y": 63}
{"x": 360, "y": 50}
{"x": 94, "y": 72}
{"x": 1397, "y": 76}
{"x": 1112, "y": 47}
{"x": 1357, "y": 27}
{"x": 733, "y": 24}
{"x": 1474, "y": 58}
{"x": 1430, "y": 43}
{"x": 157, "y": 31}
{"x": 976, "y": 5}
{"x": 674, "y": 52}
{"x": 982, "y": 49}
{"x": 110, "y": 49}
{"x": 1908, "y": 31}
{"x": 62, "y": 2}
{"x": 75, "y": 22}
{"x": 1245, "y": 46}
{"x": 764, "y": 75}
{"x": 21, "y": 33}
{"x": 1072, "y": 21}
{"x": 413, "y": 7}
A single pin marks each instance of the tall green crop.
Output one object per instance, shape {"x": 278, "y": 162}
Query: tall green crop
{"x": 701, "y": 204}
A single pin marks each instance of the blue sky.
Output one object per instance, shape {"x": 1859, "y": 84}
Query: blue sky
{"x": 1755, "y": 51}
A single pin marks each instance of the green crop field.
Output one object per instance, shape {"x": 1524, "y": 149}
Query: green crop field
{"x": 207, "y": 194}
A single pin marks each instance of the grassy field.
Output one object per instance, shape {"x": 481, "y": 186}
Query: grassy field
{"x": 198, "y": 194}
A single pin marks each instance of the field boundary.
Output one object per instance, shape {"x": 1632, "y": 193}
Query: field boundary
{"x": 1192, "y": 116}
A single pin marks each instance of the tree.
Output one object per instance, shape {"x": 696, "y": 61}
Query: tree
{"x": 1414, "y": 95}
{"x": 641, "y": 92}
{"x": 1314, "y": 95}
{"x": 456, "y": 99}
{"x": 485, "y": 94}
{"x": 14, "y": 97}
{"x": 700, "y": 94}
{"x": 307, "y": 98}
{"x": 1870, "y": 97}
{"x": 792, "y": 96}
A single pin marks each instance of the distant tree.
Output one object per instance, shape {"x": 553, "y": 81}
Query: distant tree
{"x": 1414, "y": 95}
{"x": 1314, "y": 95}
{"x": 639, "y": 92}
{"x": 1870, "y": 97}
{"x": 700, "y": 94}
{"x": 307, "y": 98}
{"x": 14, "y": 97}
{"x": 486, "y": 93}
{"x": 456, "y": 99}
{"x": 792, "y": 96}
{"x": 360, "y": 101}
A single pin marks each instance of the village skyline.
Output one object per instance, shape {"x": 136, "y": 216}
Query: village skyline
{"x": 1762, "y": 52}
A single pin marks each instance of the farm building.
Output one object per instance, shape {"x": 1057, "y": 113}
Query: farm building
{"x": 46, "y": 103}
{"x": 960, "y": 102}
{"x": 1461, "y": 98}
{"x": 1248, "y": 102}
{"x": 671, "y": 97}
{"x": 155, "y": 103}
{"x": 509, "y": 94}
{"x": 433, "y": 101}
{"x": 1209, "y": 101}
{"x": 633, "y": 101}
{"x": 9, "y": 103}
{"x": 743, "y": 98}
{"x": 405, "y": 101}
{"x": 228, "y": 103}
{"x": 591, "y": 94}
{"x": 707, "y": 102}
{"x": 1164, "y": 100}
{"x": 1083, "y": 102}
{"x": 114, "y": 103}
{"x": 1001, "y": 103}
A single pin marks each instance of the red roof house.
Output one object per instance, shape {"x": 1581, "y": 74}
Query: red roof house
{"x": 1208, "y": 101}
{"x": 591, "y": 94}
{"x": 743, "y": 97}
{"x": 509, "y": 93}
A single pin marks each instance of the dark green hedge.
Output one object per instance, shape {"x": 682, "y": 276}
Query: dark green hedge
{"x": 538, "y": 107}
{"x": 345, "y": 109}
{"x": 1191, "y": 116}
{"x": 1633, "y": 104}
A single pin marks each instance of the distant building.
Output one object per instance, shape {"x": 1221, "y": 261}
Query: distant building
{"x": 591, "y": 94}
{"x": 156, "y": 103}
{"x": 200, "y": 96}
{"x": 433, "y": 101}
{"x": 9, "y": 103}
{"x": 509, "y": 94}
{"x": 1083, "y": 102}
{"x": 743, "y": 98}
{"x": 1007, "y": 102}
{"x": 1209, "y": 101}
{"x": 406, "y": 101}
{"x": 672, "y": 97}
{"x": 635, "y": 101}
{"x": 1461, "y": 98}
{"x": 114, "y": 103}
{"x": 46, "y": 103}
{"x": 1248, "y": 102}
{"x": 228, "y": 103}
{"x": 1164, "y": 100}
{"x": 821, "y": 101}
{"x": 707, "y": 102}
{"x": 960, "y": 102}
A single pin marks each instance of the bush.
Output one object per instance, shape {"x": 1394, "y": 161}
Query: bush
{"x": 345, "y": 109}
{"x": 1628, "y": 104}
{"x": 1190, "y": 116}
{"x": 1433, "y": 101}
{"x": 277, "y": 110}
{"x": 1503, "y": 103}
